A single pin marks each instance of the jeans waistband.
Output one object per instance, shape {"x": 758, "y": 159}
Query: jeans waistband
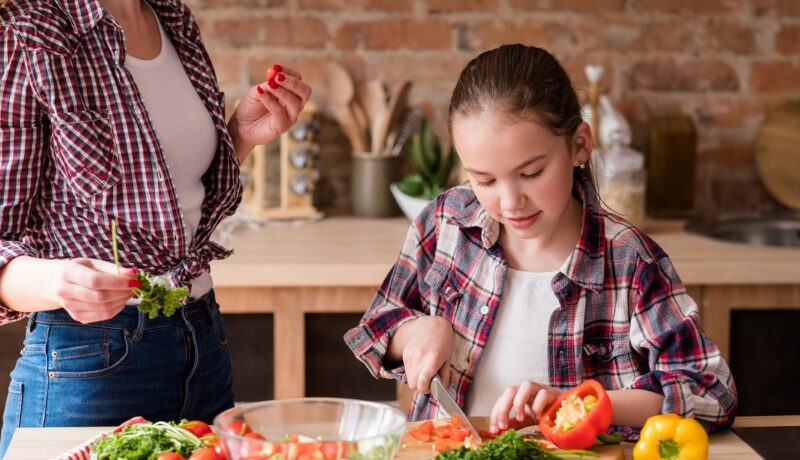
{"x": 131, "y": 318}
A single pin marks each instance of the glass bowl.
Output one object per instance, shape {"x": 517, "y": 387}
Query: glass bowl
{"x": 318, "y": 428}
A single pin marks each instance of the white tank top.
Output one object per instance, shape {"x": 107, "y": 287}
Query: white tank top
{"x": 185, "y": 130}
{"x": 517, "y": 345}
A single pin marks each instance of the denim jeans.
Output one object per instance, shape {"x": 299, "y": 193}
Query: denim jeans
{"x": 70, "y": 374}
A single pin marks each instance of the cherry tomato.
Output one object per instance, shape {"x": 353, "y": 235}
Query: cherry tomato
{"x": 170, "y": 456}
{"x": 197, "y": 428}
{"x": 239, "y": 428}
{"x": 206, "y": 453}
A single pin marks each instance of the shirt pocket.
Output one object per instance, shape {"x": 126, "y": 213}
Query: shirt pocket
{"x": 85, "y": 151}
{"x": 607, "y": 356}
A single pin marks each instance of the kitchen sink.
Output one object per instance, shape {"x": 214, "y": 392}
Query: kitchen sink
{"x": 775, "y": 228}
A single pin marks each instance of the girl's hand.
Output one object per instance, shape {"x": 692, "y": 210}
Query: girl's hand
{"x": 529, "y": 401}
{"x": 91, "y": 290}
{"x": 427, "y": 352}
{"x": 268, "y": 109}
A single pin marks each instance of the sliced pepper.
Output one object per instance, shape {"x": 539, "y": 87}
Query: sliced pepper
{"x": 577, "y": 416}
{"x": 670, "y": 437}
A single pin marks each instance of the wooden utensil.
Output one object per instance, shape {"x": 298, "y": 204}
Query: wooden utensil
{"x": 389, "y": 117}
{"x": 372, "y": 95}
{"x": 778, "y": 154}
{"x": 340, "y": 90}
{"x": 411, "y": 449}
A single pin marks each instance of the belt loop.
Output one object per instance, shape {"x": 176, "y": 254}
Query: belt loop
{"x": 137, "y": 334}
{"x": 32, "y": 322}
{"x": 207, "y": 300}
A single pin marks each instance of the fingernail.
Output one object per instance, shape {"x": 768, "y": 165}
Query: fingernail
{"x": 134, "y": 284}
{"x": 277, "y": 68}
{"x": 272, "y": 84}
{"x": 260, "y": 91}
{"x": 281, "y": 77}
{"x": 493, "y": 428}
{"x": 132, "y": 271}
{"x": 502, "y": 425}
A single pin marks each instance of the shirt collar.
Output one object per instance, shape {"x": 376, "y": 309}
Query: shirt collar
{"x": 85, "y": 14}
{"x": 585, "y": 264}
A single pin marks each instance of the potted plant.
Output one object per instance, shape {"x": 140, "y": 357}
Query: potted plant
{"x": 431, "y": 166}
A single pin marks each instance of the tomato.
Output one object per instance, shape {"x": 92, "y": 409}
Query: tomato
{"x": 253, "y": 446}
{"x": 333, "y": 450}
{"x": 206, "y": 453}
{"x": 239, "y": 428}
{"x": 459, "y": 434}
{"x": 197, "y": 428}
{"x": 212, "y": 441}
{"x": 419, "y": 435}
{"x": 170, "y": 456}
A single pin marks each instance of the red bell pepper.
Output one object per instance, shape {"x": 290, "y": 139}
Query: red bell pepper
{"x": 577, "y": 416}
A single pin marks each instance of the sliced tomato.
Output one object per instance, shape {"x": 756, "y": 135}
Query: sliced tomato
{"x": 419, "y": 435}
{"x": 197, "y": 428}
{"x": 426, "y": 427}
{"x": 441, "y": 445}
{"x": 459, "y": 434}
{"x": 443, "y": 432}
{"x": 455, "y": 421}
{"x": 170, "y": 456}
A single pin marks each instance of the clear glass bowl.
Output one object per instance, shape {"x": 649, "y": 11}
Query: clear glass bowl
{"x": 321, "y": 428}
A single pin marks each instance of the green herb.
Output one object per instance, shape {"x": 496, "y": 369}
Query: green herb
{"x": 513, "y": 446}
{"x": 145, "y": 441}
{"x": 156, "y": 296}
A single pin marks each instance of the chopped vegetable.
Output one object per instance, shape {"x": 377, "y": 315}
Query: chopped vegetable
{"x": 513, "y": 446}
{"x": 156, "y": 293}
{"x": 145, "y": 441}
{"x": 577, "y": 416}
{"x": 670, "y": 437}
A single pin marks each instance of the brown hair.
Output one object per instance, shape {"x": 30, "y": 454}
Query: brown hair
{"x": 519, "y": 81}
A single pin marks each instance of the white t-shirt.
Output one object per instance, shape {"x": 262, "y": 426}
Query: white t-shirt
{"x": 185, "y": 130}
{"x": 517, "y": 345}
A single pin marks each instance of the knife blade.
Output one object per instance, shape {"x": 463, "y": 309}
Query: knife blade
{"x": 448, "y": 404}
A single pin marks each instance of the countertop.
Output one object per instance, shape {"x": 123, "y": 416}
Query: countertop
{"x": 43, "y": 443}
{"x": 356, "y": 252}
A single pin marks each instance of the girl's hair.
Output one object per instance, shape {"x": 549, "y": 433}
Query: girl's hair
{"x": 519, "y": 81}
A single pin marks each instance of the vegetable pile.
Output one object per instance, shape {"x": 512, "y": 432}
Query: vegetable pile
{"x": 513, "y": 446}
{"x": 160, "y": 441}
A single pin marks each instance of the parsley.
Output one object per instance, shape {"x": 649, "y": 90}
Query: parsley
{"x": 145, "y": 441}
{"x": 512, "y": 446}
{"x": 156, "y": 293}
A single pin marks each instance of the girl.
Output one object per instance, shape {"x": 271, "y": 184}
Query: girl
{"x": 520, "y": 285}
{"x": 109, "y": 109}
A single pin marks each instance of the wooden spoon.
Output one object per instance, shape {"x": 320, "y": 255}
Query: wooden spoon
{"x": 340, "y": 90}
{"x": 390, "y": 117}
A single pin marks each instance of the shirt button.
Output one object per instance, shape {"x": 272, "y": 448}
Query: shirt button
{"x": 484, "y": 309}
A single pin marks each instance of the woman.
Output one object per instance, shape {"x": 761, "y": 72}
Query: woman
{"x": 109, "y": 110}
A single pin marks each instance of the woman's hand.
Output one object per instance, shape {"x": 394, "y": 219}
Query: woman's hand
{"x": 91, "y": 290}
{"x": 529, "y": 401}
{"x": 428, "y": 347}
{"x": 268, "y": 109}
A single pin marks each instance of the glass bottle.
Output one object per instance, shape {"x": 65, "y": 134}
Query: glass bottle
{"x": 621, "y": 179}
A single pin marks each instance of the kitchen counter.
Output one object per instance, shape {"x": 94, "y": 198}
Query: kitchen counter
{"x": 43, "y": 443}
{"x": 336, "y": 265}
{"x": 346, "y": 251}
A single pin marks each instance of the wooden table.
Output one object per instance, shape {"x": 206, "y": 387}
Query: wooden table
{"x": 44, "y": 443}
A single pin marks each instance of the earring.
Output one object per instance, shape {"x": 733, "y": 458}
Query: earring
{"x": 582, "y": 166}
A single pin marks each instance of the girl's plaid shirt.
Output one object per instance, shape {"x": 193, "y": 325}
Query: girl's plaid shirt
{"x": 625, "y": 318}
{"x": 77, "y": 147}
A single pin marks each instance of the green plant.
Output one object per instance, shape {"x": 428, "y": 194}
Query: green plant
{"x": 431, "y": 165}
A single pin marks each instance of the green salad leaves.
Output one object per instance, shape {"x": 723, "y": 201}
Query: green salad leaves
{"x": 513, "y": 446}
{"x": 145, "y": 441}
{"x": 156, "y": 293}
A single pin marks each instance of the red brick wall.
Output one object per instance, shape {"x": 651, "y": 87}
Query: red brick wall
{"x": 726, "y": 63}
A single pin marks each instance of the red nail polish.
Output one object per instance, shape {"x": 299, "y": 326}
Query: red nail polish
{"x": 277, "y": 68}
{"x": 260, "y": 91}
{"x": 272, "y": 84}
{"x": 281, "y": 77}
{"x": 134, "y": 284}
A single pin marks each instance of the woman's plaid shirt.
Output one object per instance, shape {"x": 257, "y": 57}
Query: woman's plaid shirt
{"x": 625, "y": 318}
{"x": 77, "y": 147}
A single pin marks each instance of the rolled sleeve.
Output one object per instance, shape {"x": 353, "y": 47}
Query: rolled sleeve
{"x": 685, "y": 365}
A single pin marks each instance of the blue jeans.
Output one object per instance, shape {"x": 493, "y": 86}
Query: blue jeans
{"x": 70, "y": 374}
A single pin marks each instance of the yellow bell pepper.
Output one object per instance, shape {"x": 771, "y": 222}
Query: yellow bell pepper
{"x": 670, "y": 437}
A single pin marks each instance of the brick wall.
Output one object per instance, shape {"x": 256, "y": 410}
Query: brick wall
{"x": 724, "y": 62}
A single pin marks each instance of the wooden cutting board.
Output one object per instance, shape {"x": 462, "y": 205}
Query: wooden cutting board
{"x": 411, "y": 449}
{"x": 778, "y": 154}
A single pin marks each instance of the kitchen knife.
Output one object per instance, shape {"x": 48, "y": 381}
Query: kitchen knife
{"x": 446, "y": 402}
